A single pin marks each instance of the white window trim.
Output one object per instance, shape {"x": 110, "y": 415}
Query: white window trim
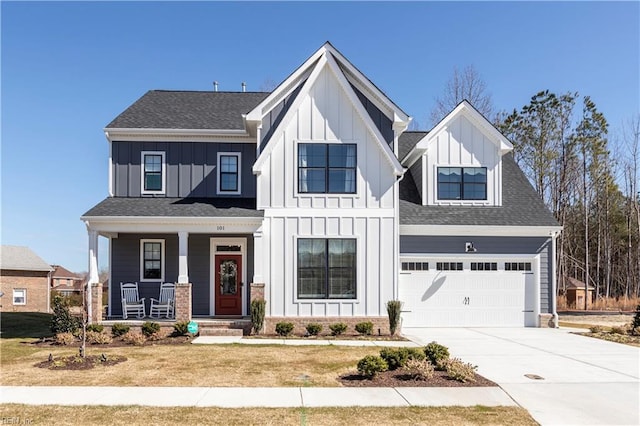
{"x": 24, "y": 292}
{"x": 162, "y": 260}
{"x": 298, "y": 194}
{"x": 164, "y": 172}
{"x": 239, "y": 191}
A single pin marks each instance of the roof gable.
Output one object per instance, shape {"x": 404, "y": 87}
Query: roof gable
{"x": 21, "y": 258}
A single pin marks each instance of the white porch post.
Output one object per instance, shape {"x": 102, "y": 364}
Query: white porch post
{"x": 258, "y": 257}
{"x": 183, "y": 255}
{"x": 93, "y": 267}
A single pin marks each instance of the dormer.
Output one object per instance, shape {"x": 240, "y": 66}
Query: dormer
{"x": 459, "y": 162}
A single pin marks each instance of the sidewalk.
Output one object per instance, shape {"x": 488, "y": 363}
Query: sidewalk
{"x": 253, "y": 397}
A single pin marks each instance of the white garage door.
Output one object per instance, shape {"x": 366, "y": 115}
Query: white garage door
{"x": 462, "y": 294}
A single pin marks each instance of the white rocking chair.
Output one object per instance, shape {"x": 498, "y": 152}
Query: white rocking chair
{"x": 131, "y": 301}
{"x": 165, "y": 303}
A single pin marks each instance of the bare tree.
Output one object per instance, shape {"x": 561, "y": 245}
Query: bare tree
{"x": 463, "y": 84}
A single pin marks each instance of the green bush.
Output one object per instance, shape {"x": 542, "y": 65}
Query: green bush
{"x": 314, "y": 328}
{"x": 98, "y": 328}
{"x": 338, "y": 328}
{"x": 394, "y": 308}
{"x": 436, "y": 354}
{"x": 181, "y": 328}
{"x": 460, "y": 371}
{"x": 150, "y": 328}
{"x": 371, "y": 365}
{"x": 63, "y": 321}
{"x": 636, "y": 319}
{"x": 257, "y": 315}
{"x": 365, "y": 328}
{"x": 284, "y": 328}
{"x": 398, "y": 357}
{"x": 118, "y": 329}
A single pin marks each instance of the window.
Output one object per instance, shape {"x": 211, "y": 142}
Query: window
{"x": 462, "y": 183}
{"x": 153, "y": 172}
{"x": 415, "y": 266}
{"x": 19, "y": 296}
{"x": 484, "y": 266}
{"x": 449, "y": 266}
{"x": 517, "y": 266}
{"x": 326, "y": 268}
{"x": 229, "y": 173}
{"x": 151, "y": 260}
{"x": 327, "y": 168}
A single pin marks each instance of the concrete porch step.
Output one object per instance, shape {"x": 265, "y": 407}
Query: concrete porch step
{"x": 223, "y": 327}
{"x": 218, "y": 331}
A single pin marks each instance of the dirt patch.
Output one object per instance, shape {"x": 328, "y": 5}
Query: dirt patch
{"x": 627, "y": 339}
{"x": 604, "y": 320}
{"x": 76, "y": 362}
{"x": 116, "y": 343}
{"x": 400, "y": 378}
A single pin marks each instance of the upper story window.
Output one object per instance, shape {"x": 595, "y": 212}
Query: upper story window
{"x": 153, "y": 172}
{"x": 327, "y": 168}
{"x": 229, "y": 173}
{"x": 151, "y": 260}
{"x": 462, "y": 183}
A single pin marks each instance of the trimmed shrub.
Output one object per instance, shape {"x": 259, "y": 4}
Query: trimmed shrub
{"x": 338, "y": 328}
{"x": 257, "y": 315}
{"x": 63, "y": 321}
{"x": 394, "y": 308}
{"x": 134, "y": 338}
{"x": 595, "y": 329}
{"x": 371, "y": 365}
{"x": 460, "y": 371}
{"x": 181, "y": 328}
{"x": 98, "y": 328}
{"x": 150, "y": 328}
{"x": 398, "y": 357}
{"x": 420, "y": 369}
{"x": 98, "y": 338}
{"x": 436, "y": 354}
{"x": 314, "y": 328}
{"x": 618, "y": 330}
{"x": 284, "y": 328}
{"x": 65, "y": 338}
{"x": 118, "y": 329}
{"x": 365, "y": 328}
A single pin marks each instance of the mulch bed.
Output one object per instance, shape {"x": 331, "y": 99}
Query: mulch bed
{"x": 117, "y": 342}
{"x": 399, "y": 378}
{"x": 75, "y": 362}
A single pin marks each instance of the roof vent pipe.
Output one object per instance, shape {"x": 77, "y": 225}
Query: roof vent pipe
{"x": 215, "y": 86}
{"x": 244, "y": 86}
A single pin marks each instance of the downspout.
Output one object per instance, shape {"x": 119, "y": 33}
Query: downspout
{"x": 554, "y": 312}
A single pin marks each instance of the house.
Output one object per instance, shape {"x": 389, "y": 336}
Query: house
{"x": 65, "y": 282}
{"x": 317, "y": 198}
{"x": 574, "y": 291}
{"x": 24, "y": 280}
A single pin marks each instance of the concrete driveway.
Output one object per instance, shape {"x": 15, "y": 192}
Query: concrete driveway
{"x": 583, "y": 380}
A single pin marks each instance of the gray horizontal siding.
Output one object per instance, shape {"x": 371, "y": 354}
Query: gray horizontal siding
{"x": 125, "y": 267}
{"x": 191, "y": 167}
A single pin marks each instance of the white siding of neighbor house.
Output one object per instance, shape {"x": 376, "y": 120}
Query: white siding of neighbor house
{"x": 462, "y": 144}
{"x": 326, "y": 115}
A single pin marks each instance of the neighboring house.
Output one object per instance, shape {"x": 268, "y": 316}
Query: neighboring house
{"x": 24, "y": 280}
{"x": 66, "y": 282}
{"x": 315, "y": 197}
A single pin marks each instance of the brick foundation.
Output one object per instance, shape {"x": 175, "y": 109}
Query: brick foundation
{"x": 300, "y": 323}
{"x": 257, "y": 291}
{"x": 183, "y": 302}
{"x": 96, "y": 303}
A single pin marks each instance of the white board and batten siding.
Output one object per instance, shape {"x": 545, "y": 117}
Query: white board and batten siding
{"x": 463, "y": 144}
{"x": 326, "y": 115}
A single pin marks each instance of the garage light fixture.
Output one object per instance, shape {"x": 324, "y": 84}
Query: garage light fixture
{"x": 469, "y": 248}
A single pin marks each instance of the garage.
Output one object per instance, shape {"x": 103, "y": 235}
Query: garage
{"x": 487, "y": 292}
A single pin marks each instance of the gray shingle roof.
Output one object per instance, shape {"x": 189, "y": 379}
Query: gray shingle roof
{"x": 407, "y": 141}
{"x": 175, "y": 207}
{"x": 163, "y": 109}
{"x": 20, "y": 258}
{"x": 521, "y": 205}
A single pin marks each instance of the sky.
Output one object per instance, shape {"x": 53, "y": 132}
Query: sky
{"x": 69, "y": 68}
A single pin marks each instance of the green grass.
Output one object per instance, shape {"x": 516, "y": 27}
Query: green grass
{"x": 25, "y": 325}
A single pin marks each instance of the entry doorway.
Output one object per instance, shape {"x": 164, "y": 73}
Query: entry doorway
{"x": 228, "y": 272}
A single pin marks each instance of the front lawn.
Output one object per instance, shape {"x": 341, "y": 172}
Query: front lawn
{"x": 353, "y": 416}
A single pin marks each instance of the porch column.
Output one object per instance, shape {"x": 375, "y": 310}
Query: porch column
{"x": 93, "y": 269}
{"x": 258, "y": 257}
{"x": 183, "y": 249}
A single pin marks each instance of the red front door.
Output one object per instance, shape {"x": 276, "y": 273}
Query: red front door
{"x": 228, "y": 285}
